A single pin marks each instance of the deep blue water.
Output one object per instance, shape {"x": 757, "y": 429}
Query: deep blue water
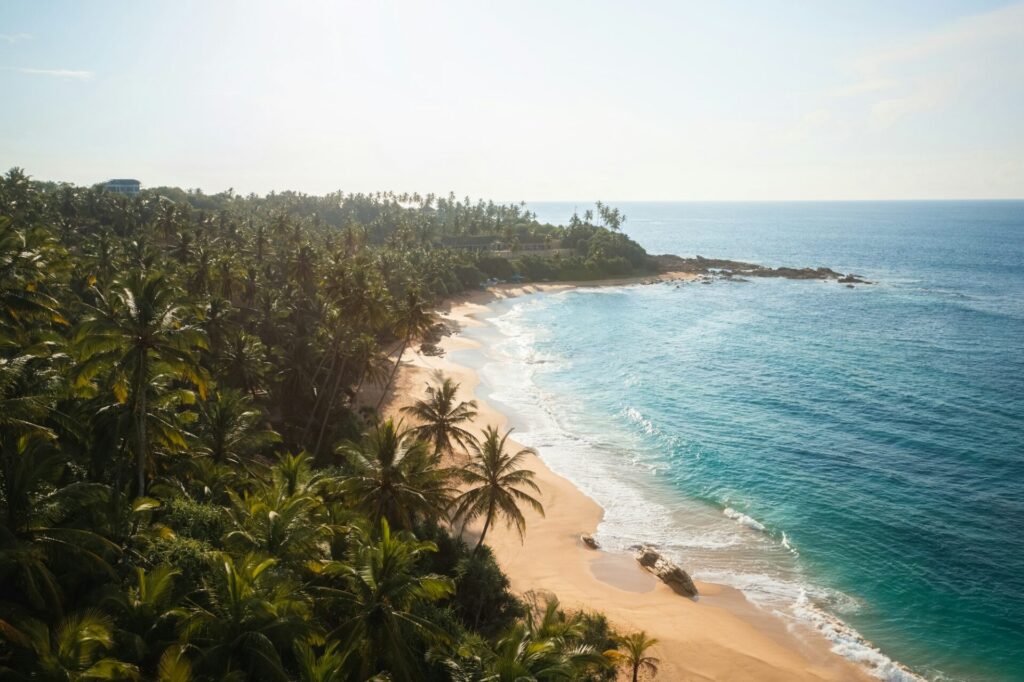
{"x": 853, "y": 458}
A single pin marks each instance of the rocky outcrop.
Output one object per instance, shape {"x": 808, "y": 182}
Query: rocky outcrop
{"x": 678, "y": 579}
{"x": 669, "y": 573}
{"x": 722, "y": 268}
{"x": 589, "y": 542}
{"x": 648, "y": 557}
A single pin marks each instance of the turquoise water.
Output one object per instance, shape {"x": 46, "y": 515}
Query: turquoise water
{"x": 851, "y": 458}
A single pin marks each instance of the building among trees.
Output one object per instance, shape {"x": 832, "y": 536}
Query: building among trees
{"x": 123, "y": 186}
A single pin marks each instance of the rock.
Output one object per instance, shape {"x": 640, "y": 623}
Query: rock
{"x": 668, "y": 572}
{"x": 676, "y": 578}
{"x": 853, "y": 279}
{"x": 590, "y": 542}
{"x": 647, "y": 557}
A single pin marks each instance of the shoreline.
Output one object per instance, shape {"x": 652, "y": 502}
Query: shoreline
{"x": 719, "y": 636}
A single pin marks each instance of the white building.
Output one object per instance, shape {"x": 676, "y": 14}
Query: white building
{"x": 123, "y": 186}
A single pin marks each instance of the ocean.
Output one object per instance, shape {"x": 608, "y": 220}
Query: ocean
{"x": 853, "y": 459}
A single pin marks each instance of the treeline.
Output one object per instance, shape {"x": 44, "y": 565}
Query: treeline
{"x": 190, "y": 487}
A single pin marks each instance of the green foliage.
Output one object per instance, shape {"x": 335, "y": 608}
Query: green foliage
{"x": 193, "y": 483}
{"x": 195, "y": 519}
{"x": 188, "y": 555}
{"x": 496, "y": 485}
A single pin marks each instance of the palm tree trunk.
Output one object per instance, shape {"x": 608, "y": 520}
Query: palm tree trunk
{"x": 330, "y": 407}
{"x": 319, "y": 396}
{"x": 394, "y": 371}
{"x": 636, "y": 672}
{"x": 141, "y": 441}
{"x": 487, "y": 524}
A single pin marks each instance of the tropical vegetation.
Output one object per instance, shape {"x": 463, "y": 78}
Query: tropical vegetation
{"x": 195, "y": 479}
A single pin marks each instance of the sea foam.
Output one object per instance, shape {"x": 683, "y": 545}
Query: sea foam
{"x": 604, "y": 463}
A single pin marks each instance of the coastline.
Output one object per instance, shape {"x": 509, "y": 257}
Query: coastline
{"x": 720, "y": 636}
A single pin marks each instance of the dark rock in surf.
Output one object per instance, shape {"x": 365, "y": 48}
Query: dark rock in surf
{"x": 676, "y": 578}
{"x": 668, "y": 572}
{"x": 647, "y": 557}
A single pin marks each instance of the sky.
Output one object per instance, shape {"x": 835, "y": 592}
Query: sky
{"x": 525, "y": 100}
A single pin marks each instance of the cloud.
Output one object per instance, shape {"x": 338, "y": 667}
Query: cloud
{"x": 924, "y": 96}
{"x": 863, "y": 87}
{"x": 14, "y": 38}
{"x": 924, "y": 78}
{"x": 926, "y": 71}
{"x": 56, "y": 73}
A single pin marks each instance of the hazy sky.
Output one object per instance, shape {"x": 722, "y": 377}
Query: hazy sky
{"x": 522, "y": 100}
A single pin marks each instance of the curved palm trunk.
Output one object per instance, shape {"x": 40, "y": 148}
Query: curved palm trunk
{"x": 487, "y": 524}
{"x": 330, "y": 407}
{"x": 394, "y": 371}
{"x": 319, "y": 397}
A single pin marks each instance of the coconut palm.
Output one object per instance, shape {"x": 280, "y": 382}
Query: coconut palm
{"x": 76, "y": 649}
{"x": 634, "y": 654}
{"x": 442, "y": 416}
{"x": 23, "y": 267}
{"x": 246, "y": 617}
{"x": 546, "y": 645}
{"x": 412, "y": 320}
{"x": 395, "y": 477}
{"x": 41, "y": 529}
{"x": 497, "y": 485}
{"x": 382, "y": 590}
{"x": 243, "y": 363}
{"x": 135, "y": 335}
{"x": 270, "y": 522}
{"x": 145, "y": 610}
{"x": 332, "y": 664}
{"x": 230, "y": 429}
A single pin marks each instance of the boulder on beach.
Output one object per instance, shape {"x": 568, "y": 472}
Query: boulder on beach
{"x": 676, "y": 578}
{"x": 648, "y": 557}
{"x": 589, "y": 541}
{"x": 667, "y": 571}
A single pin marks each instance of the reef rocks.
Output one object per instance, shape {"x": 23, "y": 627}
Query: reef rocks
{"x": 589, "y": 542}
{"x": 669, "y": 573}
{"x": 712, "y": 268}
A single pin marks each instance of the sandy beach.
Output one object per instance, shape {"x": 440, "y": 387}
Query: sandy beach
{"x": 719, "y": 636}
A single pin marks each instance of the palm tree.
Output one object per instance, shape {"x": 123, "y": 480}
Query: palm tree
{"x": 243, "y": 363}
{"x": 41, "y": 525}
{"x": 229, "y": 428}
{"x": 634, "y": 653}
{"x": 496, "y": 482}
{"x": 395, "y": 477}
{"x": 286, "y": 527}
{"x": 248, "y": 616}
{"x": 442, "y": 416}
{"x": 330, "y": 665}
{"x": 412, "y": 321}
{"x": 74, "y": 650}
{"x": 136, "y": 335}
{"x": 546, "y": 645}
{"x": 382, "y": 590}
{"x": 23, "y": 267}
{"x": 145, "y": 609}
